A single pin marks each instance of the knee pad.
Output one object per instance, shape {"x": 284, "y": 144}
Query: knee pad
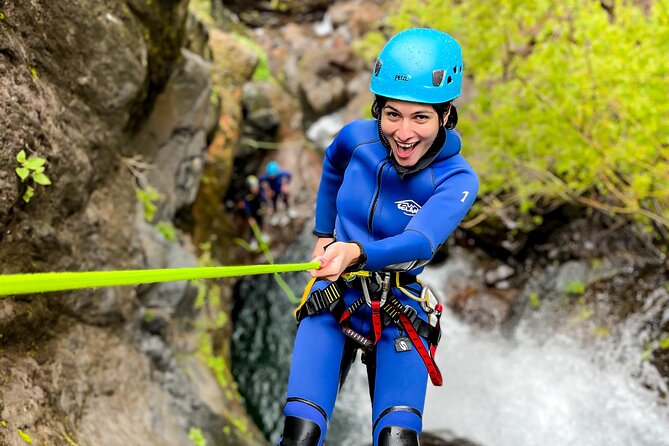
{"x": 300, "y": 432}
{"x": 398, "y": 436}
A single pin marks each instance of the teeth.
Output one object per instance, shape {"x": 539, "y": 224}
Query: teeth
{"x": 404, "y": 146}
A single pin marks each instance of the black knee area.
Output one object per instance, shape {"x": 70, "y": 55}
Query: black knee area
{"x": 398, "y": 436}
{"x": 300, "y": 432}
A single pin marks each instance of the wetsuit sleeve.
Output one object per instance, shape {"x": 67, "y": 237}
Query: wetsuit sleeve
{"x": 337, "y": 156}
{"x": 428, "y": 229}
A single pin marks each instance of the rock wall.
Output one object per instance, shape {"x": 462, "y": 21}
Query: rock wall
{"x": 115, "y": 98}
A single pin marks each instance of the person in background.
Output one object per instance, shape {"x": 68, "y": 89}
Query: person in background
{"x": 392, "y": 191}
{"x": 276, "y": 182}
{"x": 253, "y": 205}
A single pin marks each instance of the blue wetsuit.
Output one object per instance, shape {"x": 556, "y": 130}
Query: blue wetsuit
{"x": 275, "y": 183}
{"x": 400, "y": 217}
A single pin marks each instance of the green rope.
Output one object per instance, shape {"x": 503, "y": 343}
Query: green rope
{"x": 13, "y": 284}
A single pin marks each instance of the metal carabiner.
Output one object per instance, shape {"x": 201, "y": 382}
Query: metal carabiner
{"x": 384, "y": 284}
{"x": 425, "y": 295}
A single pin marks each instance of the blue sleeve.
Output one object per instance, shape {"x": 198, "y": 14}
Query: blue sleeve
{"x": 337, "y": 156}
{"x": 429, "y": 228}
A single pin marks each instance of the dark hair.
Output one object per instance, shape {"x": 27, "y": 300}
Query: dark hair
{"x": 440, "y": 109}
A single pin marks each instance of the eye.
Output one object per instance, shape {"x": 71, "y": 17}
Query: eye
{"x": 392, "y": 114}
{"x": 422, "y": 118}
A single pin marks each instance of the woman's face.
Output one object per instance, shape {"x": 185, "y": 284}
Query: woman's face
{"x": 411, "y": 128}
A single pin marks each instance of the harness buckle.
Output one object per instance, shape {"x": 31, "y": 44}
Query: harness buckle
{"x": 316, "y": 303}
{"x": 411, "y": 314}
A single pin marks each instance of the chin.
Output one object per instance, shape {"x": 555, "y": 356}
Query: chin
{"x": 405, "y": 162}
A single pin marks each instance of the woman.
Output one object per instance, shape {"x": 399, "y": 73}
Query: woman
{"x": 392, "y": 191}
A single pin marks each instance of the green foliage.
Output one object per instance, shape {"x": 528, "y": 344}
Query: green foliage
{"x": 570, "y": 102}
{"x": 202, "y": 10}
{"x": 262, "y": 71}
{"x": 575, "y": 288}
{"x": 664, "y": 342}
{"x": 535, "y": 301}
{"x": 195, "y": 435}
{"x": 167, "y": 230}
{"x": 31, "y": 169}
{"x": 147, "y": 196}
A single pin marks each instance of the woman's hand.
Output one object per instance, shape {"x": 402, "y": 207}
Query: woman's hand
{"x": 334, "y": 261}
{"x": 321, "y": 243}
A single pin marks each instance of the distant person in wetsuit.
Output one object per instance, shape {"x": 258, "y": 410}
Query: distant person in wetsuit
{"x": 253, "y": 205}
{"x": 276, "y": 183}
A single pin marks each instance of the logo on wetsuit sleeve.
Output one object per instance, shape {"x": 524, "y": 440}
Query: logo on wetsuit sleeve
{"x": 409, "y": 207}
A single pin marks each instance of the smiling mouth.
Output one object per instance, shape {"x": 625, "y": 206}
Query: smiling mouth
{"x": 405, "y": 150}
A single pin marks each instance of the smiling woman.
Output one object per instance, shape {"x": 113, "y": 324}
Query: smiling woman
{"x": 412, "y": 188}
{"x": 410, "y": 128}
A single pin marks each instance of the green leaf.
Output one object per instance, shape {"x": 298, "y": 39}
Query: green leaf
{"x": 34, "y": 163}
{"x": 23, "y": 173}
{"x": 42, "y": 179}
{"x": 28, "y": 194}
{"x": 21, "y": 156}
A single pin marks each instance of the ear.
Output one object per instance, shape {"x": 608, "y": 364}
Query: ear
{"x": 446, "y": 115}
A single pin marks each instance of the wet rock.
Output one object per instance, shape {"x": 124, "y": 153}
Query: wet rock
{"x": 257, "y": 13}
{"x": 173, "y": 140}
{"x": 261, "y": 120}
{"x": 499, "y": 273}
{"x": 173, "y": 298}
{"x": 323, "y": 131}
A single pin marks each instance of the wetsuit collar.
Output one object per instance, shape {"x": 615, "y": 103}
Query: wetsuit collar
{"x": 424, "y": 161}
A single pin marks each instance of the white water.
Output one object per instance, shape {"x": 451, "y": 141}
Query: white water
{"x": 502, "y": 392}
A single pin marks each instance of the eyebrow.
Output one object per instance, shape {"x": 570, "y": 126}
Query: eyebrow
{"x": 418, "y": 112}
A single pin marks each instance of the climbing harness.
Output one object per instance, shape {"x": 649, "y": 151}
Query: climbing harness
{"x": 376, "y": 293}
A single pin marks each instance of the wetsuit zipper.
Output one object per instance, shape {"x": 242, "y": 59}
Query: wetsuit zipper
{"x": 376, "y": 196}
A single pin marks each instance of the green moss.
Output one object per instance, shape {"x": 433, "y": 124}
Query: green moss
{"x": 25, "y": 437}
{"x": 167, "y": 230}
{"x": 195, "y": 435}
{"x": 664, "y": 342}
{"x": 575, "y": 288}
{"x": 601, "y": 331}
{"x": 69, "y": 440}
{"x": 240, "y": 425}
{"x": 535, "y": 301}
{"x": 262, "y": 72}
{"x": 149, "y": 315}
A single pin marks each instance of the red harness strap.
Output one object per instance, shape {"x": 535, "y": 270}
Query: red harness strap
{"x": 427, "y": 357}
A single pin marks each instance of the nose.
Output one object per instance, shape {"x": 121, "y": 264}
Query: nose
{"x": 405, "y": 130}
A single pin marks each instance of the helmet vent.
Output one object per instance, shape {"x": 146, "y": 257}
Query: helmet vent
{"x": 455, "y": 70}
{"x": 437, "y": 77}
{"x": 449, "y": 80}
{"x": 377, "y": 67}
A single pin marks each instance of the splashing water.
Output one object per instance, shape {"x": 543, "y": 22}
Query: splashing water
{"x": 502, "y": 392}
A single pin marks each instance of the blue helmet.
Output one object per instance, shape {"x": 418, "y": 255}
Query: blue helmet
{"x": 419, "y": 65}
{"x": 272, "y": 168}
